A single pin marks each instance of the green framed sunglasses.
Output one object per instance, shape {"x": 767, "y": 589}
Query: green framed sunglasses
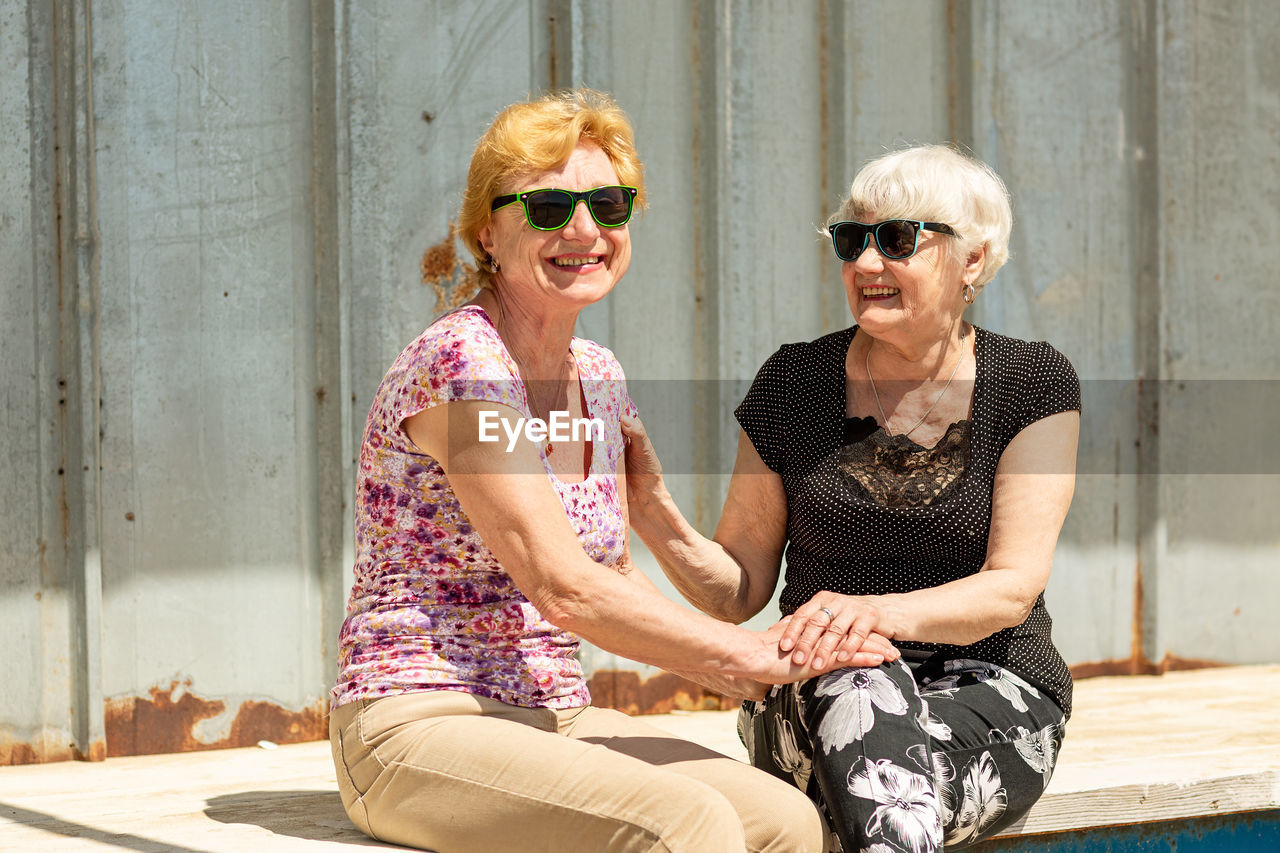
{"x": 896, "y": 239}
{"x": 551, "y": 210}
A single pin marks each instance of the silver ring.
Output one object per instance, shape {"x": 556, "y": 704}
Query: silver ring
{"x": 830, "y": 615}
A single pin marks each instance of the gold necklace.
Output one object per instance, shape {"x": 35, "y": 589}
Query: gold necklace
{"x": 556, "y": 386}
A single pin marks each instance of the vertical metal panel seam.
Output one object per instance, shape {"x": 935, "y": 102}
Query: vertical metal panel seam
{"x": 982, "y": 36}
{"x": 1152, "y": 544}
{"x": 553, "y": 68}
{"x": 305, "y": 357}
{"x": 833, "y": 89}
{"x": 960, "y": 89}
{"x": 705, "y": 42}
{"x": 722, "y": 154}
{"x": 552, "y": 21}
{"x": 327, "y": 322}
{"x": 577, "y": 46}
{"x": 346, "y": 370}
{"x": 84, "y": 602}
{"x": 736, "y": 328}
{"x": 49, "y": 724}
{"x": 90, "y": 726}
{"x": 566, "y": 43}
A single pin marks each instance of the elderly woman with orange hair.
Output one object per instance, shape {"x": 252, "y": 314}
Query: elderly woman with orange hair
{"x": 488, "y": 543}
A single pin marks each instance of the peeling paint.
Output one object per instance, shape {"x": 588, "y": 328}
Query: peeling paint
{"x": 625, "y": 691}
{"x": 176, "y": 719}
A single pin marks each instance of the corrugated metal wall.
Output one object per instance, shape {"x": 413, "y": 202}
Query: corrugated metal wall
{"x": 212, "y": 218}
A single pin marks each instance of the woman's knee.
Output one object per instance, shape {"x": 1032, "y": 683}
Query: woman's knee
{"x": 730, "y": 808}
{"x": 694, "y": 816}
{"x": 788, "y": 821}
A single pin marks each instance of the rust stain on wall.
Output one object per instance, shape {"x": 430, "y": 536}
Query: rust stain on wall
{"x": 167, "y": 721}
{"x": 1141, "y": 666}
{"x": 1138, "y": 663}
{"x": 16, "y": 752}
{"x": 625, "y": 691}
{"x": 19, "y": 752}
{"x": 97, "y": 752}
{"x": 451, "y": 279}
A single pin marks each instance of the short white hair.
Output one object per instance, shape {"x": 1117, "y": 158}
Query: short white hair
{"x": 937, "y": 183}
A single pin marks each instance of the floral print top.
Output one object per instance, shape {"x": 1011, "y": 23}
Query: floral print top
{"x": 430, "y": 607}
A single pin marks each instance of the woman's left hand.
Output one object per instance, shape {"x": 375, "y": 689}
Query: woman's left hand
{"x": 830, "y": 624}
{"x": 644, "y": 471}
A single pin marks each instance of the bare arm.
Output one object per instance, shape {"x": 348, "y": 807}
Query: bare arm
{"x": 736, "y": 687}
{"x": 732, "y": 686}
{"x": 872, "y": 653}
{"x": 733, "y": 575}
{"x": 1033, "y": 487}
{"x": 516, "y": 511}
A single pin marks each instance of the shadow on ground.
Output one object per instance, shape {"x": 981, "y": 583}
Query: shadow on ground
{"x": 71, "y": 829}
{"x": 311, "y": 815}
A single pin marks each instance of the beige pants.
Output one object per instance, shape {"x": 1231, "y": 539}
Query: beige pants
{"x": 453, "y": 773}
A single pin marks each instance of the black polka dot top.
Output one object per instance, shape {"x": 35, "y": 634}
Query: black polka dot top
{"x": 843, "y": 535}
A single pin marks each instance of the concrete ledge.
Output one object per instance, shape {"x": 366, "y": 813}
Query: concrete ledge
{"x": 1139, "y": 749}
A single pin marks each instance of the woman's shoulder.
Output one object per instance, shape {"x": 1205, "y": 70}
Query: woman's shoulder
{"x": 830, "y": 348}
{"x": 463, "y": 341}
{"x": 1022, "y": 357}
{"x": 817, "y": 360}
{"x": 458, "y": 357}
{"x": 1031, "y": 377}
{"x": 468, "y": 325}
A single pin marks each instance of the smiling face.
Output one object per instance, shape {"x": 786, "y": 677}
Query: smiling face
{"x": 572, "y": 267}
{"x": 916, "y": 299}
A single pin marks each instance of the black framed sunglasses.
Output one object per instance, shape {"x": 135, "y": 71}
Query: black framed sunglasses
{"x": 896, "y": 239}
{"x": 551, "y": 210}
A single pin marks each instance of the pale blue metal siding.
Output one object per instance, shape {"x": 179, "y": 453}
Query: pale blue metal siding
{"x": 212, "y": 216}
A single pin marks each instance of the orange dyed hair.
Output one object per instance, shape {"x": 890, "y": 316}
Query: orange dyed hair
{"x": 538, "y": 136}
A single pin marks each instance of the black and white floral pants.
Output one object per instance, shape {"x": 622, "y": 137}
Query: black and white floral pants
{"x": 903, "y": 761}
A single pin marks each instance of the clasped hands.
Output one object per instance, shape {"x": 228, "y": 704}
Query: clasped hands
{"x": 830, "y": 631}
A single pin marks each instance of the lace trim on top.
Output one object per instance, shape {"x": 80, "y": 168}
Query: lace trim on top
{"x": 894, "y": 471}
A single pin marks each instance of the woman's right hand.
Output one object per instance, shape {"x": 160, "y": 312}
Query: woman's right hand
{"x": 728, "y": 686}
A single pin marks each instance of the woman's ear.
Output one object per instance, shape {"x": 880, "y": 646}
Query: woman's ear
{"x": 974, "y": 265}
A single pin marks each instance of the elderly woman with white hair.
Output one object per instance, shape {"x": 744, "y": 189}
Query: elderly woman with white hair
{"x": 916, "y": 471}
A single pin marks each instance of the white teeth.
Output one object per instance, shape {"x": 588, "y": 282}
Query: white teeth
{"x": 575, "y": 260}
{"x": 879, "y": 291}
